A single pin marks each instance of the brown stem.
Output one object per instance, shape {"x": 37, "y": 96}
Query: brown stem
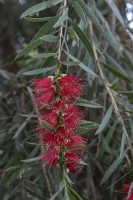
{"x": 106, "y": 84}
{"x": 60, "y": 35}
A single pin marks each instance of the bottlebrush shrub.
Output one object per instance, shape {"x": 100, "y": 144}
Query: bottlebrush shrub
{"x": 59, "y": 120}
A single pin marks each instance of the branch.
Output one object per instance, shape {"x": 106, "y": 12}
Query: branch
{"x": 106, "y": 84}
{"x": 61, "y": 31}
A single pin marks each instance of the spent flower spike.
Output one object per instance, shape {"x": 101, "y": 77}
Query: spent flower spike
{"x": 55, "y": 97}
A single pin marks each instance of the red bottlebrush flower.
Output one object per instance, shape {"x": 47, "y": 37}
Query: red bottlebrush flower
{"x": 59, "y": 139}
{"x": 70, "y": 88}
{"x": 76, "y": 141}
{"x": 44, "y": 91}
{"x": 71, "y": 116}
{"x": 50, "y": 116}
{"x": 55, "y": 96}
{"x": 72, "y": 160}
{"x": 125, "y": 189}
{"x": 50, "y": 157}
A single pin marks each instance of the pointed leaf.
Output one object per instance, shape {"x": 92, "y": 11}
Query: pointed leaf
{"x": 56, "y": 194}
{"x": 88, "y": 104}
{"x": 29, "y": 47}
{"x": 48, "y": 62}
{"x": 30, "y": 160}
{"x": 115, "y": 72}
{"x": 39, "y": 7}
{"x": 75, "y": 193}
{"x": 75, "y": 147}
{"x": 50, "y": 38}
{"x": 61, "y": 19}
{"x": 83, "y": 38}
{"x": 38, "y": 71}
{"x": 113, "y": 167}
{"x": 33, "y": 193}
{"x": 82, "y": 163}
{"x": 73, "y": 35}
{"x": 45, "y": 29}
{"x": 80, "y": 12}
{"x": 123, "y": 140}
{"x": 70, "y": 63}
{"x": 88, "y": 124}
{"x": 116, "y": 11}
{"x": 48, "y": 126}
{"x": 42, "y": 55}
{"x": 83, "y": 66}
{"x": 94, "y": 19}
{"x": 89, "y": 13}
{"x": 105, "y": 120}
{"x": 44, "y": 19}
{"x": 68, "y": 179}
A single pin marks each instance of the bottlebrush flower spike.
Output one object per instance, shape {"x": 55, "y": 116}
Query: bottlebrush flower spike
{"x": 125, "y": 189}
{"x": 54, "y": 97}
{"x": 44, "y": 91}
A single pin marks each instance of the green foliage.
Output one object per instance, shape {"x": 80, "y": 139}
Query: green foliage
{"x": 94, "y": 49}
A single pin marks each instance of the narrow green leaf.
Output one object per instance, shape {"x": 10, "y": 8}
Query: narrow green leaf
{"x": 79, "y": 11}
{"x": 73, "y": 34}
{"x": 45, "y": 29}
{"x": 61, "y": 19}
{"x": 29, "y": 47}
{"x": 8, "y": 176}
{"x": 122, "y": 144}
{"x": 50, "y": 38}
{"x": 71, "y": 196}
{"x": 83, "y": 38}
{"x": 44, "y": 19}
{"x": 48, "y": 62}
{"x": 75, "y": 147}
{"x": 90, "y": 14}
{"x": 30, "y": 160}
{"x": 115, "y": 10}
{"x": 75, "y": 193}
{"x": 82, "y": 163}
{"x": 39, "y": 7}
{"x": 94, "y": 19}
{"x": 114, "y": 64}
{"x": 88, "y": 124}
{"x": 107, "y": 33}
{"x": 42, "y": 55}
{"x": 83, "y": 66}
{"x": 68, "y": 179}
{"x": 104, "y": 147}
{"x": 38, "y": 71}
{"x": 56, "y": 194}
{"x": 36, "y": 40}
{"x": 66, "y": 195}
{"x": 113, "y": 167}
{"x": 131, "y": 126}
{"x": 88, "y": 104}
{"x": 115, "y": 72}
{"x": 33, "y": 193}
{"x": 108, "y": 137}
{"x": 70, "y": 63}
{"x": 105, "y": 120}
{"x": 111, "y": 132}
{"x": 48, "y": 126}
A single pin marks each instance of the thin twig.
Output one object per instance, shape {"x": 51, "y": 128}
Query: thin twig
{"x": 106, "y": 84}
{"x": 61, "y": 32}
{"x": 42, "y": 148}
